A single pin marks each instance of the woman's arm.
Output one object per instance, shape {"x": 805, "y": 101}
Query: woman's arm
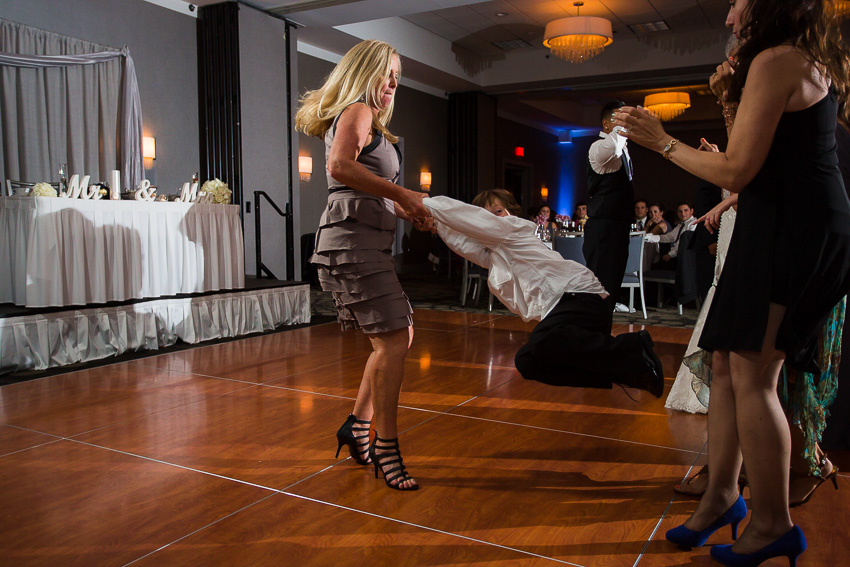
{"x": 353, "y": 132}
{"x": 772, "y": 81}
{"x": 659, "y": 228}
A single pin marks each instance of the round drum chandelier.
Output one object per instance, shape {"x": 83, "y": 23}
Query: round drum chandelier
{"x": 667, "y": 106}
{"x": 578, "y": 38}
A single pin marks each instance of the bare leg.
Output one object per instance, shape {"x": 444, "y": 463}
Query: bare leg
{"x": 765, "y": 438}
{"x": 386, "y": 371}
{"x": 363, "y": 405}
{"x": 724, "y": 453}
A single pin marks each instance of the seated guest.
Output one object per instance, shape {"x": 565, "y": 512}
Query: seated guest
{"x": 572, "y": 345}
{"x": 546, "y": 217}
{"x": 640, "y": 214}
{"x": 687, "y": 222}
{"x": 580, "y": 214}
{"x": 657, "y": 224}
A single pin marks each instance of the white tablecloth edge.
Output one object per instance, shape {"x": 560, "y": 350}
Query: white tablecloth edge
{"x": 38, "y": 342}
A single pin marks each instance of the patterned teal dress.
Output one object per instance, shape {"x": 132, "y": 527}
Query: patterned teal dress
{"x": 807, "y": 398}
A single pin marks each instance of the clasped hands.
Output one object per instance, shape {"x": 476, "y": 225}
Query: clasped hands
{"x": 416, "y": 212}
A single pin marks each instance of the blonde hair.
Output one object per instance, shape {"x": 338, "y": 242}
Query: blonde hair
{"x": 357, "y": 77}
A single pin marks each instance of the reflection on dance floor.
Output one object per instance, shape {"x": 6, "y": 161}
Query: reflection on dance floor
{"x": 224, "y": 455}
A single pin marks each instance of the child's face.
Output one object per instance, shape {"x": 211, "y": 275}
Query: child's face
{"x": 498, "y": 209}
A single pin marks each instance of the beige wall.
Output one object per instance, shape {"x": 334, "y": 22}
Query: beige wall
{"x": 164, "y": 50}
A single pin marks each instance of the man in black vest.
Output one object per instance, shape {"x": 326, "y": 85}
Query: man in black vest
{"x": 610, "y": 209}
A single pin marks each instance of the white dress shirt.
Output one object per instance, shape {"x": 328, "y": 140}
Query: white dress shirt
{"x": 606, "y": 155}
{"x": 524, "y": 274}
{"x": 673, "y": 235}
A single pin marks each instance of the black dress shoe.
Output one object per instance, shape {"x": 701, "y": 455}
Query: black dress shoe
{"x": 652, "y": 378}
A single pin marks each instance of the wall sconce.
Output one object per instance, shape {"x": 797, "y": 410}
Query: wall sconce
{"x": 148, "y": 150}
{"x": 425, "y": 180}
{"x": 305, "y": 168}
{"x": 544, "y": 192}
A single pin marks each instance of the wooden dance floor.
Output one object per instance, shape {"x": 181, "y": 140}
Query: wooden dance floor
{"x": 224, "y": 456}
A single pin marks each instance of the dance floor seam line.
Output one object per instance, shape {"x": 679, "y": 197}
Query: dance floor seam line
{"x": 202, "y": 528}
{"x": 667, "y": 509}
{"x": 56, "y": 438}
{"x": 430, "y": 529}
{"x": 590, "y": 435}
{"x": 302, "y": 497}
{"x": 184, "y": 467}
{"x": 202, "y": 375}
{"x": 311, "y": 475}
{"x": 654, "y": 531}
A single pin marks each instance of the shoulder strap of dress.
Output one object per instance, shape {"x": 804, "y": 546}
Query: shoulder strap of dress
{"x": 340, "y": 114}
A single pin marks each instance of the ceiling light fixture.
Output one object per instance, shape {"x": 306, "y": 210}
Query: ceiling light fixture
{"x": 501, "y": 14}
{"x": 578, "y": 38}
{"x": 667, "y": 106}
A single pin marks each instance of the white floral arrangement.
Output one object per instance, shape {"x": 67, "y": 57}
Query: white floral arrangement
{"x": 43, "y": 190}
{"x": 219, "y": 190}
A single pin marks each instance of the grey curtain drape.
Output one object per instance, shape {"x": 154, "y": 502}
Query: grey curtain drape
{"x": 64, "y": 100}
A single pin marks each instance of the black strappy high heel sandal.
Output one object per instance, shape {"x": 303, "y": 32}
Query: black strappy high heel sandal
{"x": 390, "y": 455}
{"x": 357, "y": 439}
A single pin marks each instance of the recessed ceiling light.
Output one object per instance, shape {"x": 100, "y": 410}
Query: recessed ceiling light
{"x": 501, "y": 14}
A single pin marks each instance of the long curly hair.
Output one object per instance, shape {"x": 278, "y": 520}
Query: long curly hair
{"x": 809, "y": 25}
{"x": 357, "y": 77}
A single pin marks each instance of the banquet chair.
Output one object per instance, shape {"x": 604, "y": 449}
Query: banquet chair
{"x": 476, "y": 277}
{"x": 20, "y": 187}
{"x": 633, "y": 277}
{"x": 570, "y": 248}
{"x": 683, "y": 278}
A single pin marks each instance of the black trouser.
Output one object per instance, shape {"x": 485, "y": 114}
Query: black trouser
{"x": 572, "y": 346}
{"x": 606, "y": 252}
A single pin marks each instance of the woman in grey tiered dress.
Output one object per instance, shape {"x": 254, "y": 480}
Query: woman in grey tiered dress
{"x": 354, "y": 242}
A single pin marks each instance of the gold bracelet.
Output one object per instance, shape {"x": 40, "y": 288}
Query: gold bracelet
{"x": 729, "y": 113}
{"x": 666, "y": 151}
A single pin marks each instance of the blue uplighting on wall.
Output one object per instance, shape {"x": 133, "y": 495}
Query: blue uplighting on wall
{"x": 562, "y": 199}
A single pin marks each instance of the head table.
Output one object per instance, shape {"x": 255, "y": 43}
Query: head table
{"x": 58, "y": 252}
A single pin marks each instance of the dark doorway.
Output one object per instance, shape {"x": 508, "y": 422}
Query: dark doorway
{"x": 516, "y": 178}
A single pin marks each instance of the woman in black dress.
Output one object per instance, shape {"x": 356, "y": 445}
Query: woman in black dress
{"x": 778, "y": 284}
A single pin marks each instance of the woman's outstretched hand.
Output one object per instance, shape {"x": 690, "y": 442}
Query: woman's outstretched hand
{"x": 642, "y": 127}
{"x": 411, "y": 203}
{"x": 711, "y": 219}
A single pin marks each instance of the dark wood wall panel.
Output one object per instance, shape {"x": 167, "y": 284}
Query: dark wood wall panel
{"x": 219, "y": 103}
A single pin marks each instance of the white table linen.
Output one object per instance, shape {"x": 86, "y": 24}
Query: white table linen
{"x": 77, "y": 252}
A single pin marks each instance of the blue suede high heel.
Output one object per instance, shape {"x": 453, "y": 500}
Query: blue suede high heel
{"x": 790, "y": 545}
{"x": 687, "y": 538}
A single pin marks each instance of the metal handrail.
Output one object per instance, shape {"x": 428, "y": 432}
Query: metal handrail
{"x": 290, "y": 245}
